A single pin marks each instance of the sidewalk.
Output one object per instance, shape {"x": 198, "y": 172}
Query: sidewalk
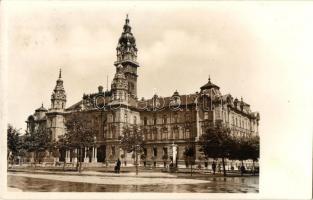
{"x": 129, "y": 172}
{"x": 105, "y": 179}
{"x": 97, "y": 173}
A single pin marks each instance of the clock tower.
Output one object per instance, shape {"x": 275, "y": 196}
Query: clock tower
{"x": 126, "y": 53}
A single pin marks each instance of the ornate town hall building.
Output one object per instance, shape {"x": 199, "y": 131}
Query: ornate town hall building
{"x": 177, "y": 119}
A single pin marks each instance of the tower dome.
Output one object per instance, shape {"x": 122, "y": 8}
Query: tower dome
{"x": 58, "y": 97}
{"x": 126, "y": 47}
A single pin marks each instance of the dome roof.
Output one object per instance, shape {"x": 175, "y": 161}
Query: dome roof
{"x": 41, "y": 109}
{"x": 127, "y": 39}
{"x": 175, "y": 93}
{"x": 209, "y": 85}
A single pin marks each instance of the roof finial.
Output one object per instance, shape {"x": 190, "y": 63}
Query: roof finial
{"x": 107, "y": 83}
{"x": 42, "y": 104}
{"x": 209, "y": 78}
{"x": 60, "y": 73}
{"x": 127, "y": 19}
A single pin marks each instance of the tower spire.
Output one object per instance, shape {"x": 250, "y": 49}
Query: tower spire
{"x": 58, "y": 97}
{"x": 60, "y": 73}
{"x": 127, "y": 19}
{"x": 107, "y": 83}
{"x": 126, "y": 52}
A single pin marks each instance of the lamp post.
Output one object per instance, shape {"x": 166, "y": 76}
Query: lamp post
{"x": 94, "y": 151}
{"x": 137, "y": 149}
{"x": 136, "y": 157}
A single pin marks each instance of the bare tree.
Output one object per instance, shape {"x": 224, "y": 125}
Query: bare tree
{"x": 132, "y": 141}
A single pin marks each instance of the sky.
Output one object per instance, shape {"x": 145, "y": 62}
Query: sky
{"x": 261, "y": 51}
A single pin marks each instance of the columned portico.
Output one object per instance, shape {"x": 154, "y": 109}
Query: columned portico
{"x": 94, "y": 155}
{"x": 75, "y": 157}
{"x": 68, "y": 156}
{"x": 86, "y": 160}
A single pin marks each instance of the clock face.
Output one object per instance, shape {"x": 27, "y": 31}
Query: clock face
{"x": 99, "y": 102}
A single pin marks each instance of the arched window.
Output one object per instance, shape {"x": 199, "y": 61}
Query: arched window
{"x": 155, "y": 152}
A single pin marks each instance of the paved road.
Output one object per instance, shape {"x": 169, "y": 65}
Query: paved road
{"x": 21, "y": 181}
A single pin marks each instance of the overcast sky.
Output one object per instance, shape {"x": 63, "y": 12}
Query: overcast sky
{"x": 261, "y": 51}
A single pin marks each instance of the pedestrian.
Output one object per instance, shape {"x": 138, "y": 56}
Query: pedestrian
{"x": 213, "y": 167}
{"x": 219, "y": 168}
{"x": 242, "y": 169}
{"x": 118, "y": 164}
{"x": 115, "y": 167}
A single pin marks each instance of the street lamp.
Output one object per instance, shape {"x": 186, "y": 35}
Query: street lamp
{"x": 94, "y": 151}
{"x": 137, "y": 148}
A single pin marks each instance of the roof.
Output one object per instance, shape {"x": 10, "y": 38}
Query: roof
{"x": 209, "y": 85}
{"x": 41, "y": 109}
{"x": 161, "y": 102}
{"x": 75, "y": 106}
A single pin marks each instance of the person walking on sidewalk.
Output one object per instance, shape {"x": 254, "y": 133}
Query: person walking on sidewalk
{"x": 242, "y": 170}
{"x": 213, "y": 167}
{"x": 118, "y": 165}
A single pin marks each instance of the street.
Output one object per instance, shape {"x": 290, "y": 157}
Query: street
{"x": 128, "y": 182}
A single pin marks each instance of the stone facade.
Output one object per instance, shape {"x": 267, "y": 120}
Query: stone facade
{"x": 178, "y": 119}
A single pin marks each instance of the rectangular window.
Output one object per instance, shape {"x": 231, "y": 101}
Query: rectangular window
{"x": 155, "y": 152}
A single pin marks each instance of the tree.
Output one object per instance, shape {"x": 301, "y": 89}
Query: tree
{"x": 216, "y": 142}
{"x": 123, "y": 159}
{"x": 239, "y": 150}
{"x": 246, "y": 148}
{"x": 253, "y": 149}
{"x": 38, "y": 142}
{"x": 132, "y": 141}
{"x": 254, "y": 152}
{"x": 189, "y": 155}
{"x": 60, "y": 144}
{"x": 78, "y": 135}
{"x": 13, "y": 143}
